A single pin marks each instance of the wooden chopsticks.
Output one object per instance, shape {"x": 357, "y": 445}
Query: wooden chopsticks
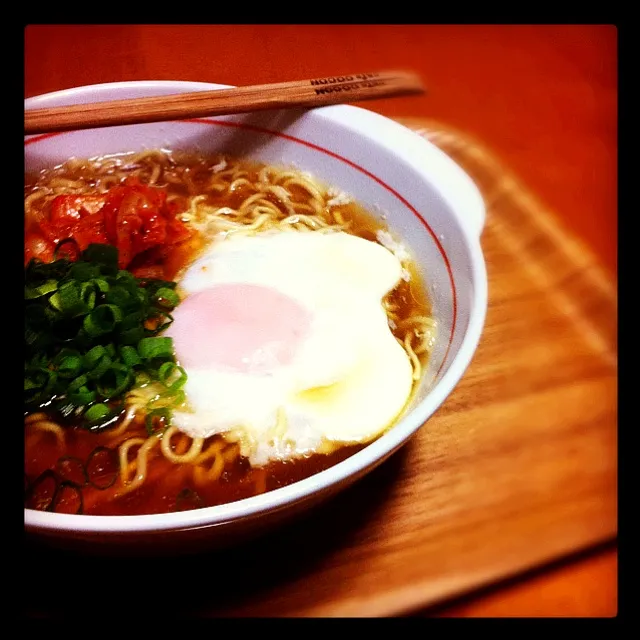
{"x": 298, "y": 93}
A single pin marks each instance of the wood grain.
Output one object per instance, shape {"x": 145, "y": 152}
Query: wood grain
{"x": 516, "y": 469}
{"x": 544, "y": 97}
{"x": 318, "y": 92}
{"x": 577, "y": 587}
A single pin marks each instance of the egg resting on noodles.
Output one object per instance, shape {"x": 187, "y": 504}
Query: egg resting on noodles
{"x": 286, "y": 343}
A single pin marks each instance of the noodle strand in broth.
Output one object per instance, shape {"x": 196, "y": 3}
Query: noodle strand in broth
{"x": 214, "y": 195}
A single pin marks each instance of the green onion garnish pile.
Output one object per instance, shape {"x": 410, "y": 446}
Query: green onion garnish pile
{"x": 92, "y": 333}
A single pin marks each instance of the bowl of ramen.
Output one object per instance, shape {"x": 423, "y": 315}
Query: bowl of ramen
{"x": 230, "y": 319}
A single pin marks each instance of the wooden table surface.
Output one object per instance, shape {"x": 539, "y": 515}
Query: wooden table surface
{"x": 543, "y": 99}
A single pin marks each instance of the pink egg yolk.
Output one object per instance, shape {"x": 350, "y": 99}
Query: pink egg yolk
{"x": 238, "y": 327}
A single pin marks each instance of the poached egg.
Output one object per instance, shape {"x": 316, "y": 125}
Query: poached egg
{"x": 286, "y": 343}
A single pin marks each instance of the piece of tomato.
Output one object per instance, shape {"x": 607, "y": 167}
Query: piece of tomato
{"x": 72, "y": 208}
{"x": 37, "y": 246}
{"x": 177, "y": 232}
{"x": 153, "y": 195}
{"x": 132, "y": 216}
{"x": 110, "y": 213}
{"x": 154, "y": 271}
{"x": 127, "y": 229}
{"x": 89, "y": 230}
{"x": 153, "y": 231}
{"x": 179, "y": 254}
{"x": 55, "y": 231}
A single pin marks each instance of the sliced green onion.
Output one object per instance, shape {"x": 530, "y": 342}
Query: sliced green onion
{"x": 84, "y": 271}
{"x": 130, "y": 356}
{"x": 93, "y": 356}
{"x": 69, "y": 364}
{"x": 131, "y": 336}
{"x": 88, "y": 294}
{"x": 68, "y": 300}
{"x": 102, "y": 467}
{"x": 172, "y": 376}
{"x": 132, "y": 320}
{"x": 97, "y": 361}
{"x": 163, "y": 413}
{"x": 156, "y": 347}
{"x": 82, "y": 396}
{"x": 142, "y": 378}
{"x": 78, "y": 382}
{"x": 166, "y": 297}
{"x": 103, "y": 319}
{"x": 126, "y": 278}
{"x": 49, "y": 286}
{"x": 39, "y": 385}
{"x": 34, "y": 315}
{"x": 42, "y": 491}
{"x": 79, "y": 393}
{"x": 72, "y": 470}
{"x": 86, "y": 336}
{"x": 96, "y": 412}
{"x": 101, "y": 368}
{"x": 101, "y": 284}
{"x": 68, "y": 499}
{"x": 105, "y": 255}
{"x": 116, "y": 379}
{"x": 121, "y": 297}
{"x": 30, "y": 383}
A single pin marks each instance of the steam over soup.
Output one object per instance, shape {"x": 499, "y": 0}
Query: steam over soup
{"x": 199, "y": 330}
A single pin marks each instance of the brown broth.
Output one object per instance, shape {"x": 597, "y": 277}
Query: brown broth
{"x": 167, "y": 481}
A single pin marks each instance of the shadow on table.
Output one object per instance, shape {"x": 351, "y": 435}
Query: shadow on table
{"x": 70, "y": 583}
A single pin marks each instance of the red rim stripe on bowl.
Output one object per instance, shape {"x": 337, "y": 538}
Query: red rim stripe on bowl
{"x": 43, "y": 136}
{"x": 311, "y": 145}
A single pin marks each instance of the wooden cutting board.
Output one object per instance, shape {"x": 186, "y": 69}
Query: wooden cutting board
{"x": 518, "y": 467}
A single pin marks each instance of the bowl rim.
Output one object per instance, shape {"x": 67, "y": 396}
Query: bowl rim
{"x": 461, "y": 191}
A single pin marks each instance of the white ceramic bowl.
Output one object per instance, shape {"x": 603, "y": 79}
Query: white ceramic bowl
{"x": 426, "y": 199}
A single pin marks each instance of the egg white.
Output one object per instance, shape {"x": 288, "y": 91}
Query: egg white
{"x": 350, "y": 378}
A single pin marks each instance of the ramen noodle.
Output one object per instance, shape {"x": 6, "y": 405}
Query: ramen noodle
{"x": 262, "y": 244}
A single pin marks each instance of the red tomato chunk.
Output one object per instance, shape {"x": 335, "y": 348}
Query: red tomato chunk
{"x": 132, "y": 216}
